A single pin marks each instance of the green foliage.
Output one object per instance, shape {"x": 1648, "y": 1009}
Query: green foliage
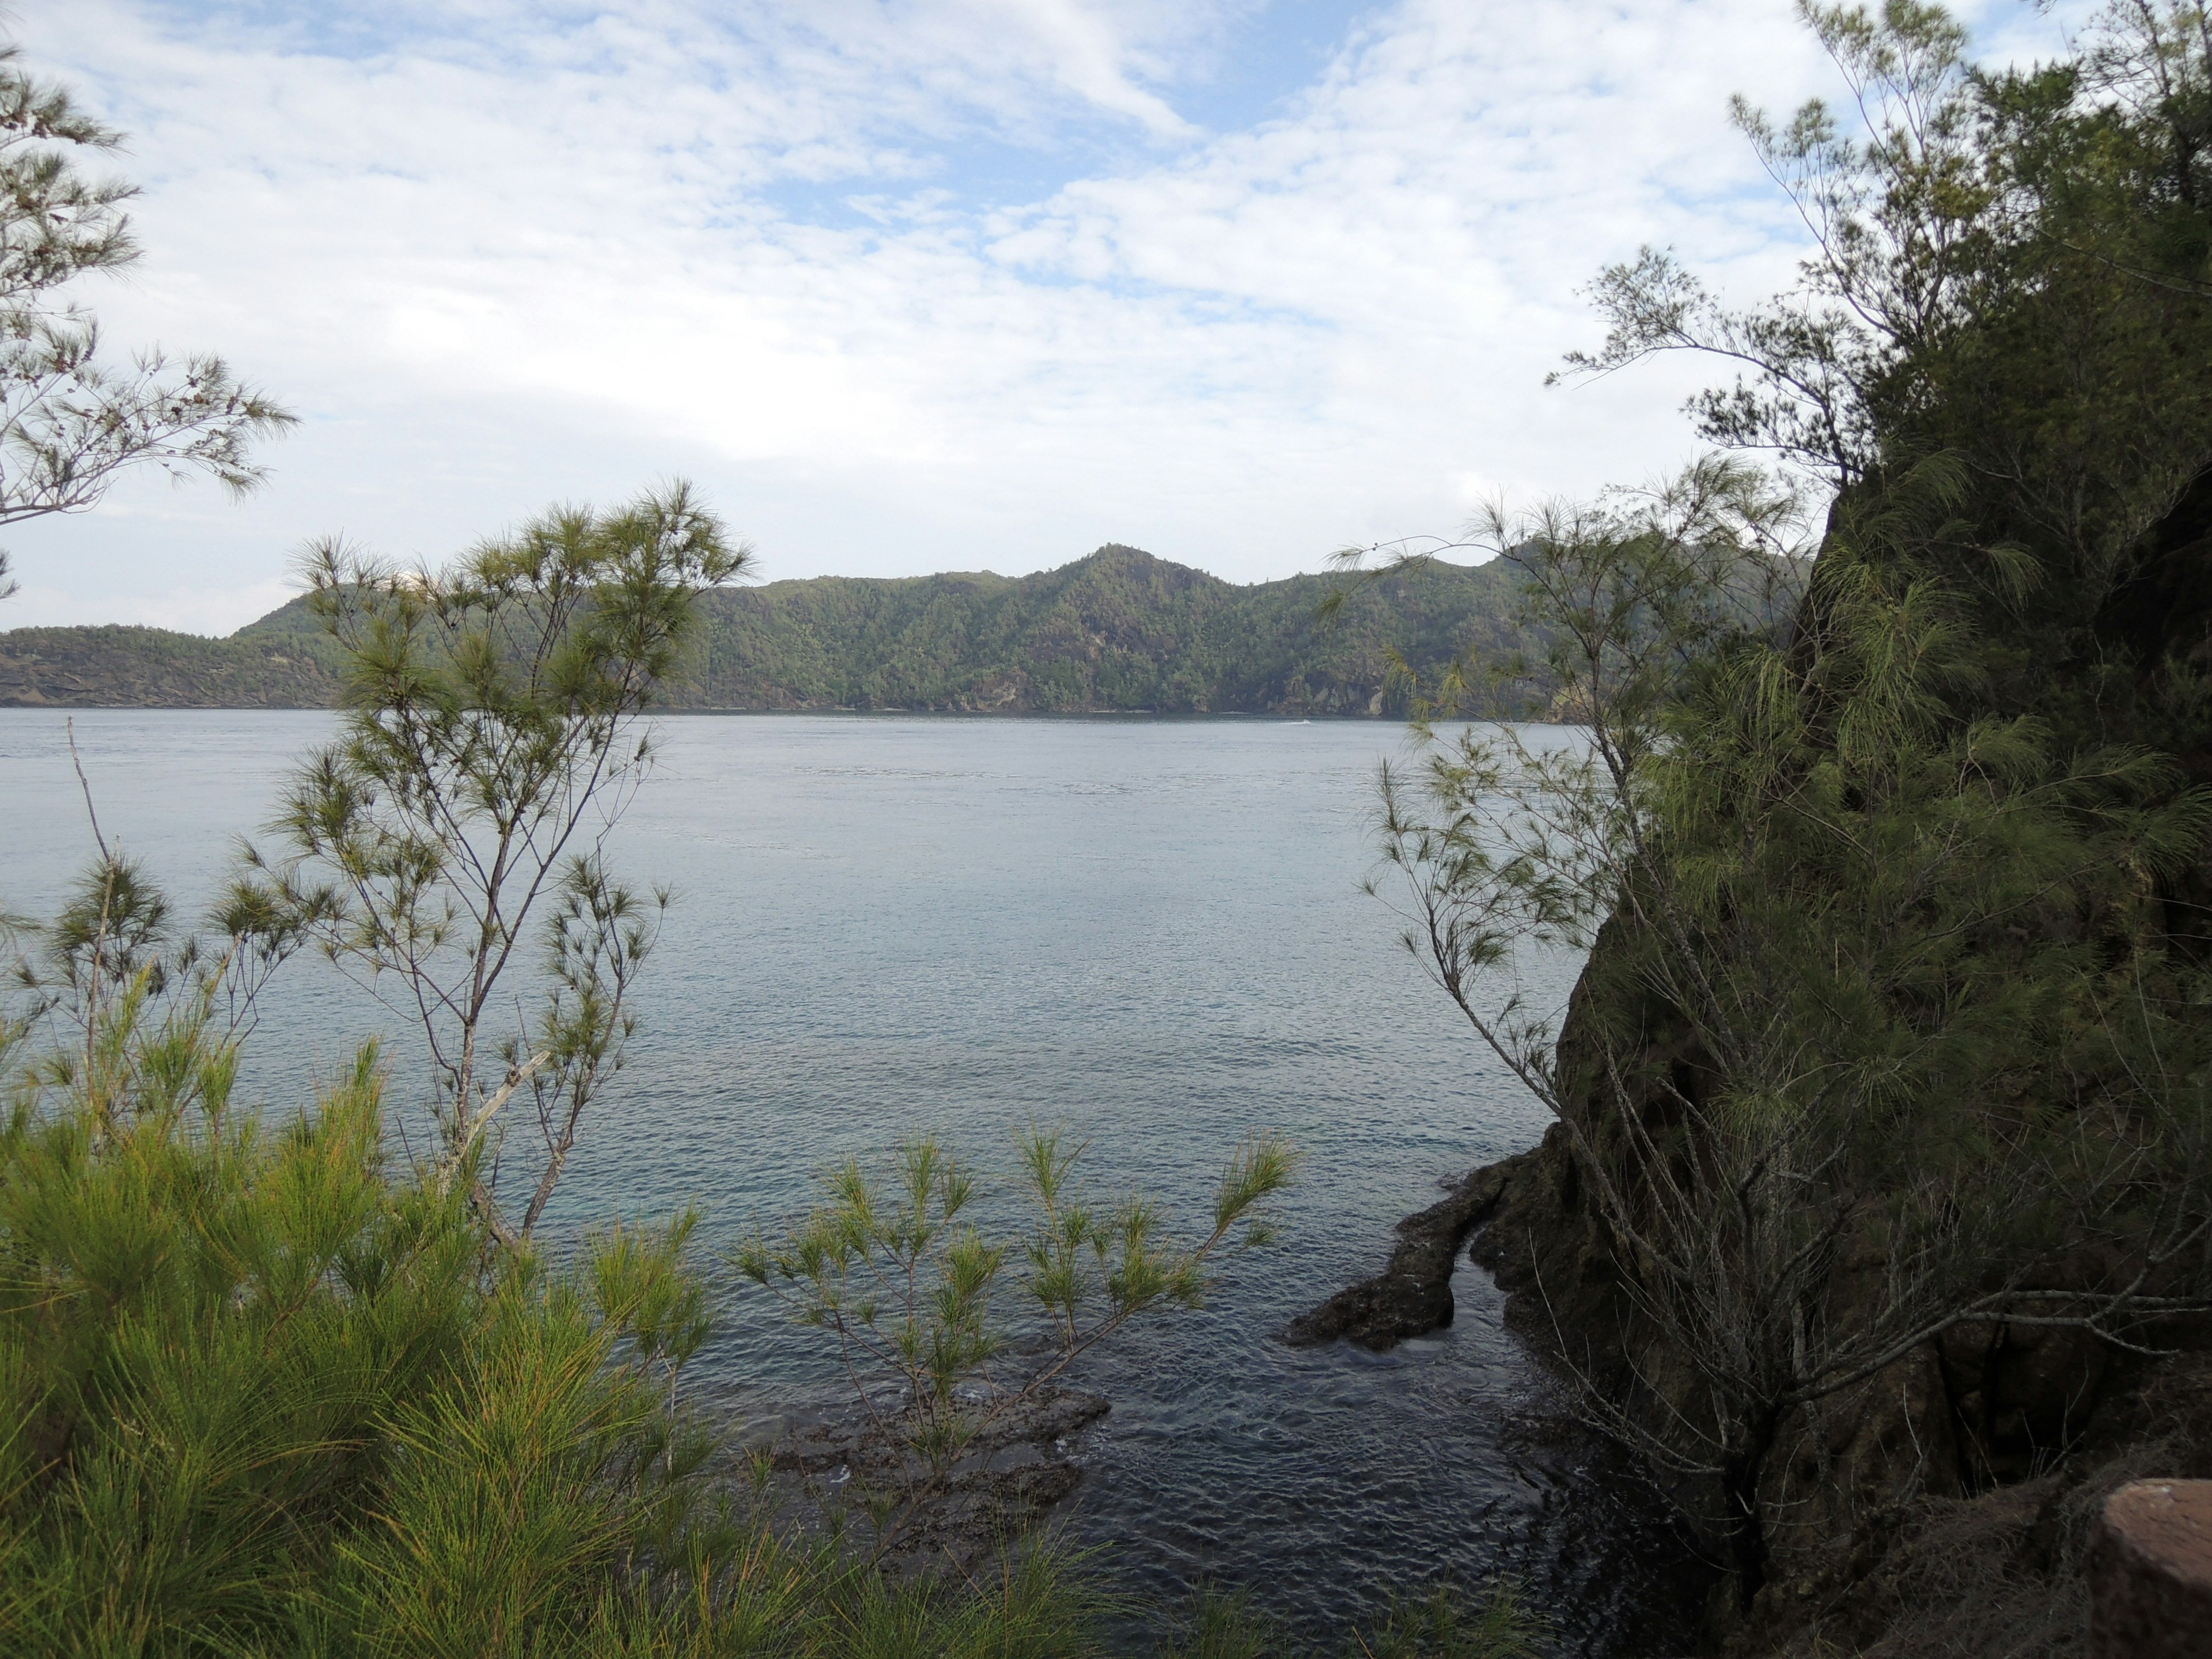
{"x": 70, "y": 419}
{"x": 246, "y": 1363}
{"x": 2012, "y": 271}
{"x": 1894, "y": 1018}
{"x": 264, "y": 1394}
{"x": 490, "y": 743}
{"x": 1881, "y": 1036}
{"x": 891, "y": 1267}
{"x": 1225, "y": 1626}
{"x": 115, "y": 948}
{"x": 1439, "y": 1625}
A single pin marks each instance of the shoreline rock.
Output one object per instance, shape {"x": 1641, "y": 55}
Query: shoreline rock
{"x": 1412, "y": 1296}
{"x": 1018, "y": 1466}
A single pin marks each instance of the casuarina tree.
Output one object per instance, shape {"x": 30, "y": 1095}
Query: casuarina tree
{"x": 71, "y": 417}
{"x": 453, "y": 836}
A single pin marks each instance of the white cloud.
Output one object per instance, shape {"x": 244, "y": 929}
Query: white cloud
{"x": 507, "y": 253}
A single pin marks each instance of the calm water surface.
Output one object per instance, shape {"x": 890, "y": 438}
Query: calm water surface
{"x": 1151, "y": 932}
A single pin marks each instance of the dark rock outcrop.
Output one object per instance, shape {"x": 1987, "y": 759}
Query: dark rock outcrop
{"x": 1019, "y": 1464}
{"x": 1412, "y": 1295}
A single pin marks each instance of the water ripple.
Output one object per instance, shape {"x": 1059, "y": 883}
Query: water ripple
{"x": 1150, "y": 933}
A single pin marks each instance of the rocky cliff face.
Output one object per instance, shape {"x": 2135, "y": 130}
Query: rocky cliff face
{"x": 1945, "y": 1504}
{"x": 1943, "y": 1507}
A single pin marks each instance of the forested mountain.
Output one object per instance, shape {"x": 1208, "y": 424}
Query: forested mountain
{"x": 152, "y": 668}
{"x": 1118, "y": 631}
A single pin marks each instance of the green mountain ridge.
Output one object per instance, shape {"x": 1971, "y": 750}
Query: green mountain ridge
{"x": 1119, "y": 631}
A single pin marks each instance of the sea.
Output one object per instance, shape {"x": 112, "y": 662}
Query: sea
{"x": 1155, "y": 935}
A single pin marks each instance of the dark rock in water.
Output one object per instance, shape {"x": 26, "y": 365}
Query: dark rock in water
{"x": 1022, "y": 1461}
{"x": 1413, "y": 1294}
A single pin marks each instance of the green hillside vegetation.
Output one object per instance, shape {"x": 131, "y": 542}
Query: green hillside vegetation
{"x": 153, "y": 668}
{"x": 1117, "y": 632}
{"x": 1875, "y": 1208}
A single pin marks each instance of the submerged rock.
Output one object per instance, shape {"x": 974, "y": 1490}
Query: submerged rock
{"x": 1019, "y": 1464}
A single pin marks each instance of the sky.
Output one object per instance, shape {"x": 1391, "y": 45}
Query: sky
{"x": 905, "y": 286}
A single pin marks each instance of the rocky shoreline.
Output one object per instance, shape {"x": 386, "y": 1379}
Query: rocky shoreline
{"x": 1975, "y": 1550}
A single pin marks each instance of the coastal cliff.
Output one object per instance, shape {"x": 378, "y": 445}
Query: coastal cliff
{"x": 1945, "y": 1501}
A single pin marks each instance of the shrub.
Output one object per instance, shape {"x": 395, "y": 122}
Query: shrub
{"x": 269, "y": 1394}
